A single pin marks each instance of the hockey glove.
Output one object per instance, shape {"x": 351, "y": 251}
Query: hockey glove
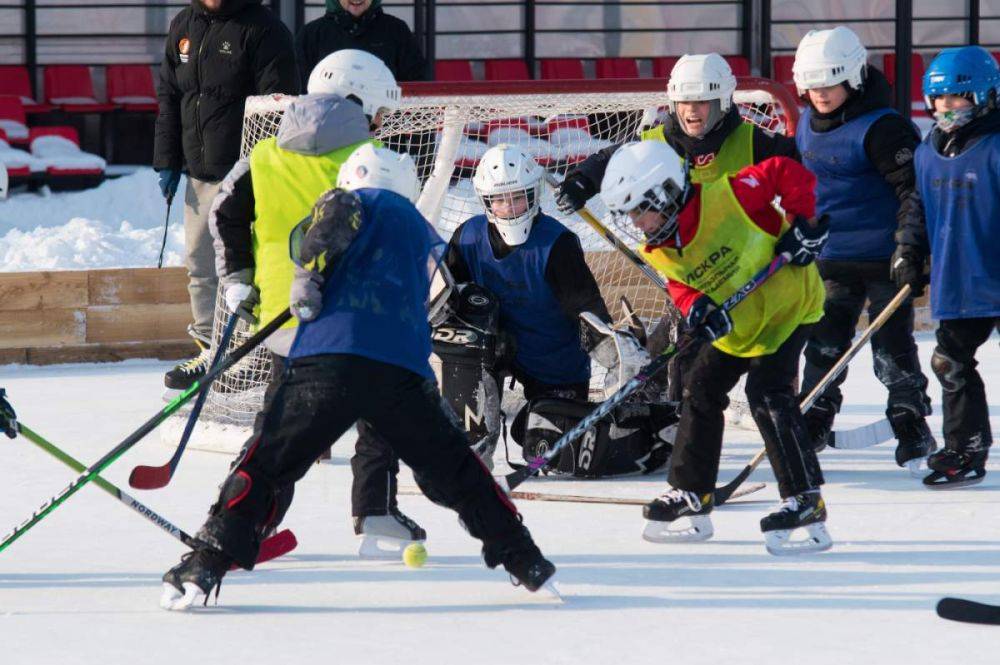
{"x": 907, "y": 267}
{"x": 8, "y": 419}
{"x": 574, "y": 192}
{"x": 306, "y": 297}
{"x": 618, "y": 351}
{"x": 169, "y": 179}
{"x": 804, "y": 241}
{"x": 708, "y": 320}
{"x": 241, "y": 295}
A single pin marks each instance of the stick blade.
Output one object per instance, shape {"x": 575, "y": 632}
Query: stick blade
{"x": 149, "y": 477}
{"x": 277, "y": 545}
{"x": 968, "y": 611}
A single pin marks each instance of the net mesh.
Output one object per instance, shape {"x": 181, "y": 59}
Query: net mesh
{"x": 447, "y": 135}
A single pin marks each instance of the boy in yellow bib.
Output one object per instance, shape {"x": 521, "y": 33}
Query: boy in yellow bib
{"x": 709, "y": 239}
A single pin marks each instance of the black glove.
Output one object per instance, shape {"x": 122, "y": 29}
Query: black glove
{"x": 8, "y": 419}
{"x": 708, "y": 319}
{"x": 907, "y": 267}
{"x": 804, "y": 241}
{"x": 574, "y": 192}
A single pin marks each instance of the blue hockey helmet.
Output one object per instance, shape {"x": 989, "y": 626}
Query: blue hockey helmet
{"x": 965, "y": 70}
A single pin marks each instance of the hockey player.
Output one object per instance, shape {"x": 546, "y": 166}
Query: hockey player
{"x": 709, "y": 239}
{"x": 703, "y": 125}
{"x": 959, "y": 184}
{"x": 549, "y": 304}
{"x": 861, "y": 151}
{"x": 263, "y": 197}
{"x": 360, "y": 290}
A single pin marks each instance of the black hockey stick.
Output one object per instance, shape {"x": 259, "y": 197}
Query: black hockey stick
{"x": 271, "y": 548}
{"x": 515, "y": 478}
{"x": 968, "y": 611}
{"x": 724, "y": 492}
{"x": 154, "y": 477}
{"x": 147, "y": 427}
{"x": 166, "y": 227}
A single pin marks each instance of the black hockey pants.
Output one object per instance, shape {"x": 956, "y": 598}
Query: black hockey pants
{"x": 963, "y": 396}
{"x": 708, "y": 379}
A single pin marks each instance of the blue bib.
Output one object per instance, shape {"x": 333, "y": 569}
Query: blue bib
{"x": 962, "y": 208}
{"x": 862, "y": 206}
{"x": 547, "y": 342}
{"x": 375, "y": 301}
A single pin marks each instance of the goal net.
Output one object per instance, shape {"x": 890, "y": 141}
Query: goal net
{"x": 446, "y": 128}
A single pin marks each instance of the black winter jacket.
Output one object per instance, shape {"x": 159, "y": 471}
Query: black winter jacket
{"x": 376, "y": 32}
{"x": 213, "y": 61}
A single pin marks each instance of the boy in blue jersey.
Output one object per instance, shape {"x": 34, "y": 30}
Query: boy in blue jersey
{"x": 551, "y": 308}
{"x": 958, "y": 176}
{"x": 361, "y": 352}
{"x": 861, "y": 152}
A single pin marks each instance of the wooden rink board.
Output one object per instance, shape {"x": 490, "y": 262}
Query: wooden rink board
{"x": 94, "y": 315}
{"x": 108, "y": 315}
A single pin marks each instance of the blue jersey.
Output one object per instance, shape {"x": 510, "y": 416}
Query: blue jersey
{"x": 547, "y": 342}
{"x": 961, "y": 197}
{"x": 862, "y": 206}
{"x": 375, "y": 301}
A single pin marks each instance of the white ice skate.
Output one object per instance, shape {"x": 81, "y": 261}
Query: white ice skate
{"x": 386, "y": 536}
{"x": 172, "y": 599}
{"x": 678, "y": 516}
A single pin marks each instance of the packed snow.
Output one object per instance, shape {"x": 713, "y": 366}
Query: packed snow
{"x": 118, "y": 224}
{"x": 83, "y": 585}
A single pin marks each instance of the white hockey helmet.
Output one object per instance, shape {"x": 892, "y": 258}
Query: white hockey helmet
{"x": 643, "y": 176}
{"x": 380, "y": 168}
{"x": 353, "y": 73}
{"x": 827, "y": 57}
{"x": 505, "y": 171}
{"x": 700, "y": 78}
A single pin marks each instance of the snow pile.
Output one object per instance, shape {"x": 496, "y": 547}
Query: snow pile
{"x": 116, "y": 225}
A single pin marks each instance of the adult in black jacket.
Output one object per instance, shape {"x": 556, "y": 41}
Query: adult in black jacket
{"x": 364, "y": 26}
{"x": 218, "y": 52}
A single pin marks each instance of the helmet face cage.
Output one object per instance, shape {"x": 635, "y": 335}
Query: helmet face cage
{"x": 531, "y": 193}
{"x": 667, "y": 199}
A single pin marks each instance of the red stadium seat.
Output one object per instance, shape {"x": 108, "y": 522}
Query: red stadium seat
{"x": 64, "y": 131}
{"x": 453, "y": 70}
{"x": 916, "y": 79}
{"x": 14, "y": 80}
{"x": 739, "y": 64}
{"x": 507, "y": 70}
{"x": 781, "y": 71}
{"x": 13, "y": 121}
{"x": 132, "y": 87}
{"x": 617, "y": 68}
{"x": 562, "y": 68}
{"x": 663, "y": 66}
{"x": 71, "y": 88}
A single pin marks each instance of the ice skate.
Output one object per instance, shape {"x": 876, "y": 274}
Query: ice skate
{"x": 181, "y": 377}
{"x": 952, "y": 469}
{"x": 819, "y": 421}
{"x": 193, "y": 579}
{"x": 386, "y": 536}
{"x": 915, "y": 441}
{"x": 802, "y": 511}
{"x": 526, "y": 566}
{"x": 675, "y": 504}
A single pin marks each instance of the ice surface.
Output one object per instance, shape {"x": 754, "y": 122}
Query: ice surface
{"x": 82, "y": 586}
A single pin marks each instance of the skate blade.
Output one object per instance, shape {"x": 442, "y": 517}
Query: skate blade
{"x": 382, "y": 548}
{"x": 697, "y": 529}
{"x": 917, "y": 467}
{"x": 172, "y": 599}
{"x": 931, "y": 481}
{"x": 780, "y": 543}
{"x": 551, "y": 592}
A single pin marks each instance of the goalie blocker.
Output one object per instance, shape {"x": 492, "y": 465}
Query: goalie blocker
{"x": 475, "y": 355}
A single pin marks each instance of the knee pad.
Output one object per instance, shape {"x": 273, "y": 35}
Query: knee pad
{"x": 948, "y": 371}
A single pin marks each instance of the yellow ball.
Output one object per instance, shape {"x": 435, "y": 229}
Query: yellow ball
{"x": 414, "y": 556}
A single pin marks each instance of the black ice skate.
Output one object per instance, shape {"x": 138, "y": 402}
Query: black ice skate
{"x": 186, "y": 373}
{"x": 819, "y": 421}
{"x": 914, "y": 439}
{"x": 193, "y": 579}
{"x": 951, "y": 469}
{"x": 524, "y": 562}
{"x": 802, "y": 511}
{"x": 386, "y": 536}
{"x": 672, "y": 505}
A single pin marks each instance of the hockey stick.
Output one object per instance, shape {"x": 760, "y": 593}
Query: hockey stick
{"x": 863, "y": 436}
{"x": 154, "y": 477}
{"x": 968, "y": 611}
{"x": 147, "y": 427}
{"x": 512, "y": 480}
{"x": 615, "y": 242}
{"x": 271, "y": 548}
{"x": 724, "y": 492}
{"x": 579, "y": 498}
{"x": 166, "y": 227}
